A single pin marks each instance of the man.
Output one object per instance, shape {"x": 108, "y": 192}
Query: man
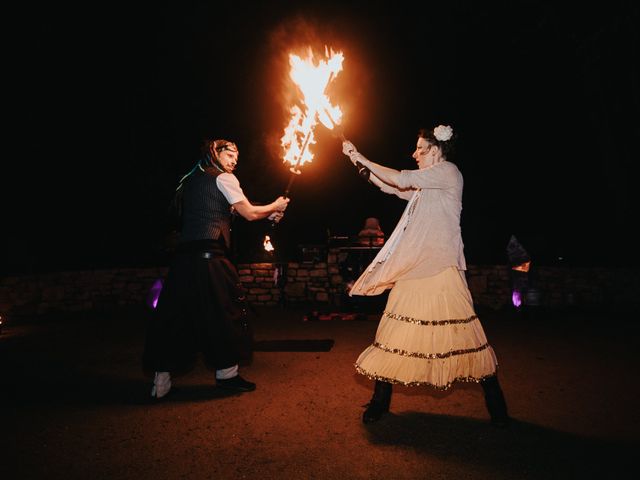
{"x": 202, "y": 307}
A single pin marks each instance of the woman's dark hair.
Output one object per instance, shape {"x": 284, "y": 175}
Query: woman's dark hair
{"x": 447, "y": 147}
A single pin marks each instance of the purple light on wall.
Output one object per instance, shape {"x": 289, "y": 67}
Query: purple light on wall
{"x": 516, "y": 299}
{"x": 154, "y": 293}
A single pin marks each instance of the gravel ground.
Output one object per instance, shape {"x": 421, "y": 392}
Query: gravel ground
{"x": 75, "y": 405}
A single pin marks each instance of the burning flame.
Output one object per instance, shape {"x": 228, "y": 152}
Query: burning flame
{"x": 312, "y": 78}
{"x": 267, "y": 244}
{"x": 523, "y": 267}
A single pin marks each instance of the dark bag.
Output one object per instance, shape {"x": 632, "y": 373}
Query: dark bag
{"x": 242, "y": 323}
{"x": 238, "y": 313}
{"x": 244, "y": 332}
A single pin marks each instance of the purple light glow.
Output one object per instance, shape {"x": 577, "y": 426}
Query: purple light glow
{"x": 516, "y": 298}
{"x": 154, "y": 293}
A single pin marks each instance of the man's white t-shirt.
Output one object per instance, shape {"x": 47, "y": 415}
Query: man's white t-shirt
{"x": 229, "y": 185}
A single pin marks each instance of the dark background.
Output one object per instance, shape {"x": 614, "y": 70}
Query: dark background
{"x": 112, "y": 103}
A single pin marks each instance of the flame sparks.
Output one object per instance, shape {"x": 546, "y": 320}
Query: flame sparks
{"x": 312, "y": 78}
{"x": 267, "y": 244}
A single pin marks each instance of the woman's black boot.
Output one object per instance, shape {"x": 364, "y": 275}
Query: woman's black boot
{"x": 495, "y": 402}
{"x": 379, "y": 403}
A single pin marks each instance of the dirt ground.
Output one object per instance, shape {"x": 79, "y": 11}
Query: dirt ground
{"x": 75, "y": 405}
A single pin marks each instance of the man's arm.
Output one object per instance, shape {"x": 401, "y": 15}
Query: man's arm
{"x": 228, "y": 184}
{"x": 258, "y": 212}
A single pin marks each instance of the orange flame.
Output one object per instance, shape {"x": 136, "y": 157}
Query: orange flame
{"x": 523, "y": 267}
{"x": 312, "y": 78}
{"x": 267, "y": 244}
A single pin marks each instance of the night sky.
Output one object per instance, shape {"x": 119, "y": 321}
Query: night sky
{"x": 114, "y": 101}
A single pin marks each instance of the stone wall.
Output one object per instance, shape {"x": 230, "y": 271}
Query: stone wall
{"x": 76, "y": 291}
{"x": 312, "y": 282}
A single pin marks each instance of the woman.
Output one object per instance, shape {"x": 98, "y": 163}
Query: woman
{"x": 429, "y": 333}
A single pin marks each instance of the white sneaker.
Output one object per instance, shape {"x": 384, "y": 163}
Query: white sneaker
{"x": 161, "y": 384}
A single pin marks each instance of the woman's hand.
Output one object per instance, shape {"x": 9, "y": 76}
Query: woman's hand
{"x": 349, "y": 149}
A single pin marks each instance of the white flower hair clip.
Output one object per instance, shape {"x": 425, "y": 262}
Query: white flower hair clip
{"x": 443, "y": 133}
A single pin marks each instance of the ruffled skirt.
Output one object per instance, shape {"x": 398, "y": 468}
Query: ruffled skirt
{"x": 429, "y": 334}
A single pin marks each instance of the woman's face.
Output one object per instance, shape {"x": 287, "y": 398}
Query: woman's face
{"x": 425, "y": 153}
{"x": 228, "y": 158}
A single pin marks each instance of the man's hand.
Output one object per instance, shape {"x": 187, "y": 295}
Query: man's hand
{"x": 275, "y": 217}
{"x": 281, "y": 203}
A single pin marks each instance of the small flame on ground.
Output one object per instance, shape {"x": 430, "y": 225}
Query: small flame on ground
{"x": 267, "y": 244}
{"x": 523, "y": 267}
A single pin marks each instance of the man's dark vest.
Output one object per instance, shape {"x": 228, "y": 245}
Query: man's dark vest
{"x": 206, "y": 214}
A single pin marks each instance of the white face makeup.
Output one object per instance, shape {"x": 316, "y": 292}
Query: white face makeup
{"x": 425, "y": 153}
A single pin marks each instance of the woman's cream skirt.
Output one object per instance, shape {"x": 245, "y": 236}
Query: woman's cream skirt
{"x": 429, "y": 334}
